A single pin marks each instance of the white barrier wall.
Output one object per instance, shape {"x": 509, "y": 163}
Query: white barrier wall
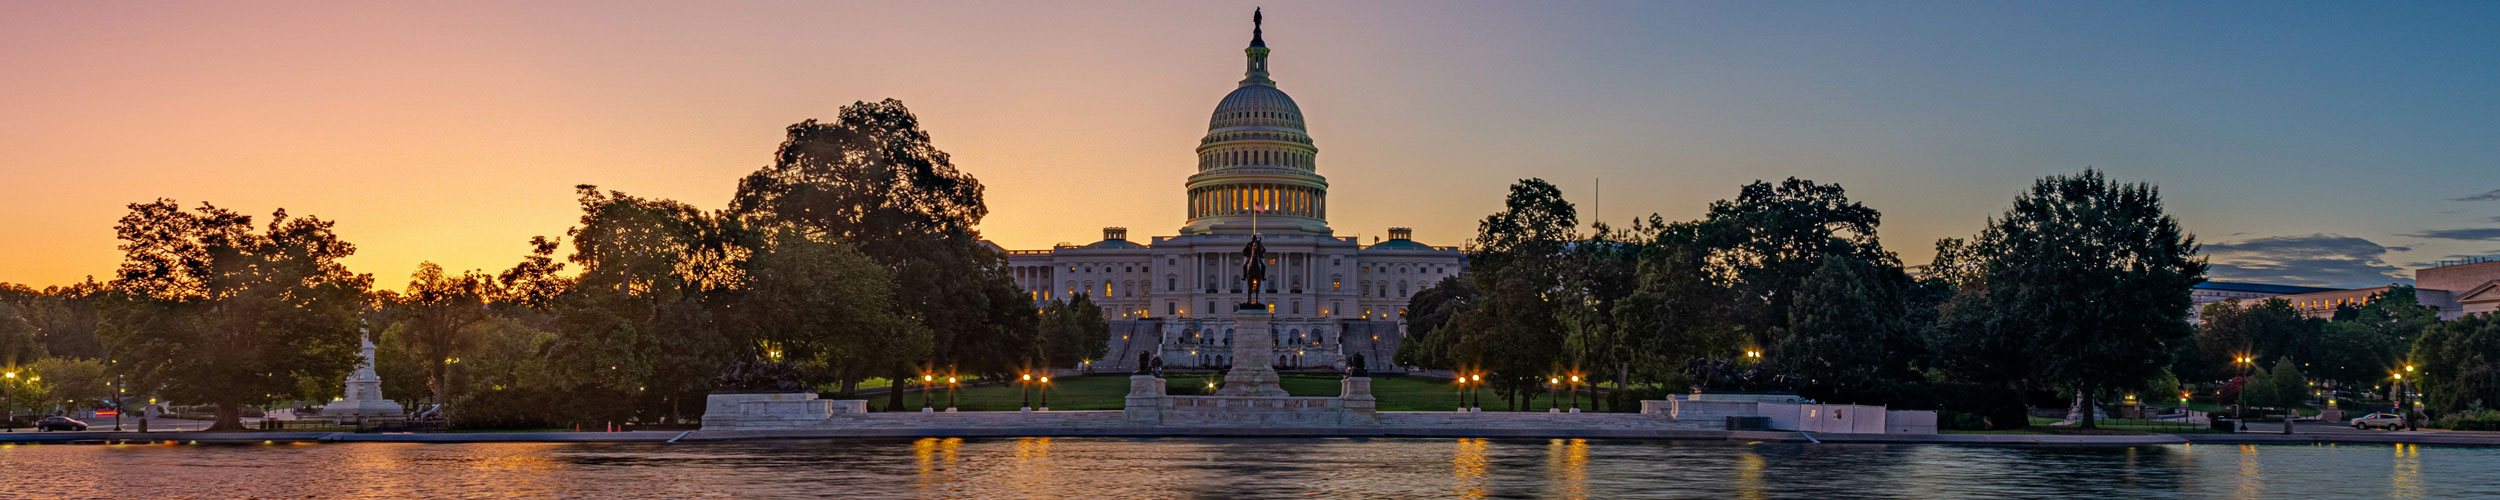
{"x": 1848, "y": 419}
{"x": 1909, "y": 422}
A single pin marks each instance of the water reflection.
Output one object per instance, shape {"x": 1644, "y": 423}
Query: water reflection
{"x": 2405, "y": 481}
{"x": 937, "y": 459}
{"x": 1566, "y": 466}
{"x": 1467, "y": 465}
{"x": 1749, "y": 476}
{"x": 1238, "y": 468}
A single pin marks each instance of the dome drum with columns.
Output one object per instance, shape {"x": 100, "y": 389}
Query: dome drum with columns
{"x": 1257, "y": 172}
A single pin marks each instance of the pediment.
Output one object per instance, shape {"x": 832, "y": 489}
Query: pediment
{"x": 2488, "y": 291}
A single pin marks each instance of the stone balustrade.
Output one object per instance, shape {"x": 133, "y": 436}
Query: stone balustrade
{"x": 1150, "y": 407}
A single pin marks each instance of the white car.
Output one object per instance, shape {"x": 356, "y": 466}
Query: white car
{"x": 2382, "y": 420}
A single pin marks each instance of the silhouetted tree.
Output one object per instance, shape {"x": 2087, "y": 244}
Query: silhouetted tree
{"x": 872, "y": 178}
{"x": 207, "y": 309}
{"x": 2087, "y": 279}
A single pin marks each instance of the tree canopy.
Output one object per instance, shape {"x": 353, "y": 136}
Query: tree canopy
{"x": 2088, "y": 279}
{"x": 206, "y": 308}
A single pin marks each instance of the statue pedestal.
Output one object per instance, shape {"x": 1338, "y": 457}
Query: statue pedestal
{"x": 1253, "y": 350}
{"x": 363, "y": 400}
{"x": 1145, "y": 400}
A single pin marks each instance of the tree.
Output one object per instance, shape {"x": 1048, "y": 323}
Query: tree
{"x": 2271, "y": 329}
{"x": 64, "y": 317}
{"x": 1428, "y": 316}
{"x": 1768, "y": 240}
{"x": 1679, "y": 311}
{"x": 1598, "y": 273}
{"x": 1514, "y": 331}
{"x": 2291, "y": 389}
{"x": 1535, "y": 219}
{"x": 437, "y": 310}
{"x": 1514, "y": 335}
{"x": 2088, "y": 280}
{"x": 634, "y": 332}
{"x": 2258, "y": 389}
{"x": 1851, "y": 333}
{"x": 2457, "y": 363}
{"x": 204, "y": 308}
{"x": 18, "y": 343}
{"x": 825, "y": 306}
{"x": 73, "y": 382}
{"x": 1073, "y": 331}
{"x": 872, "y": 178}
{"x": 2365, "y": 344}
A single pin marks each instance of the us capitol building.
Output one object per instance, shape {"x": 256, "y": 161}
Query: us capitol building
{"x": 1257, "y": 169}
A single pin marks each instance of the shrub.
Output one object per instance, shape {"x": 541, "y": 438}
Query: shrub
{"x": 2484, "y": 420}
{"x": 505, "y": 409}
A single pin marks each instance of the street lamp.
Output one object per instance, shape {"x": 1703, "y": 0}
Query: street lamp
{"x": 2403, "y": 414}
{"x": 1552, "y": 384}
{"x": 1475, "y": 390}
{"x": 1045, "y": 393}
{"x": 925, "y": 382}
{"x": 2239, "y": 405}
{"x": 1575, "y": 394}
{"x": 950, "y": 394}
{"x": 8, "y": 417}
{"x": 1021, "y": 382}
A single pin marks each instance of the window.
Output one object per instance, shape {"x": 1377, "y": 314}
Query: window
{"x": 1106, "y": 289}
{"x": 1171, "y": 309}
{"x": 1401, "y": 290}
{"x": 1171, "y": 283}
{"x": 1336, "y": 282}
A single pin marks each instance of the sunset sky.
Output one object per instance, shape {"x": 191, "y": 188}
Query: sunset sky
{"x": 2335, "y": 143}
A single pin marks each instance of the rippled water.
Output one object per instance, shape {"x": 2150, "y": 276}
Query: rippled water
{"x": 1239, "y": 468}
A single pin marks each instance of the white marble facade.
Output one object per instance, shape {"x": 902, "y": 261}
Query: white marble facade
{"x": 1257, "y": 172}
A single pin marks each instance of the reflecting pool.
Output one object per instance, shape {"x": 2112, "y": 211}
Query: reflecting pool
{"x": 1240, "y": 468}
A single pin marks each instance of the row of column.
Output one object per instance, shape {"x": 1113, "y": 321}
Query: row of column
{"x": 1278, "y": 199}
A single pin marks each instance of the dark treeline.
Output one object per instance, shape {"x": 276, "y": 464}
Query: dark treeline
{"x": 2079, "y": 292}
{"x": 852, "y": 257}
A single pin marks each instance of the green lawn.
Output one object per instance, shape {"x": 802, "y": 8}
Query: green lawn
{"x": 1108, "y": 392}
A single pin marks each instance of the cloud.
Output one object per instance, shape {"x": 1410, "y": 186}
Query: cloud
{"x": 2468, "y": 234}
{"x": 2313, "y": 260}
{"x": 2494, "y": 195}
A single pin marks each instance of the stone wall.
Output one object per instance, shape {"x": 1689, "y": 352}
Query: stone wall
{"x": 1793, "y": 416}
{"x": 1381, "y": 353}
{"x": 1149, "y": 407}
{"x": 1128, "y": 338}
{"x": 774, "y": 411}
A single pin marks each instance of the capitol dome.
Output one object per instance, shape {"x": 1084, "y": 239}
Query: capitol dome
{"x": 1256, "y": 105}
{"x": 1258, "y": 170}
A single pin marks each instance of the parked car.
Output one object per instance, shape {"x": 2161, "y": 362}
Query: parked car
{"x": 60, "y": 424}
{"x": 2381, "y": 420}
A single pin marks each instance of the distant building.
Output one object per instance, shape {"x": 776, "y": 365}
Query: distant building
{"x": 2456, "y": 288}
{"x": 1332, "y": 296}
{"x": 2216, "y": 291}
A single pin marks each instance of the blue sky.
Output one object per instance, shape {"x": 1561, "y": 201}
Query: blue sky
{"x": 2319, "y": 143}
